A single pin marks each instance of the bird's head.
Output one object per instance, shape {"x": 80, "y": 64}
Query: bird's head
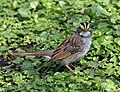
{"x": 84, "y": 29}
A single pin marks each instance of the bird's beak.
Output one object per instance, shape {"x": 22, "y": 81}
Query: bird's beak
{"x": 85, "y": 29}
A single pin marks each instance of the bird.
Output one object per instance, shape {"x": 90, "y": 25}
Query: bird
{"x": 74, "y": 47}
{"x": 70, "y": 50}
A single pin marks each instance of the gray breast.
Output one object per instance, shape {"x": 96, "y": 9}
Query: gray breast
{"x": 86, "y": 47}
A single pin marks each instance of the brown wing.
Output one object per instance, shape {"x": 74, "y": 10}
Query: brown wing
{"x": 68, "y": 47}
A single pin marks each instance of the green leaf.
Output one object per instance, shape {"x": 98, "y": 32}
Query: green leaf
{"x": 109, "y": 85}
{"x": 114, "y": 18}
{"x": 117, "y": 40}
{"x": 24, "y": 12}
{"x": 118, "y": 28}
{"x": 34, "y": 4}
{"x": 102, "y": 10}
{"x": 62, "y": 3}
{"x": 113, "y": 59}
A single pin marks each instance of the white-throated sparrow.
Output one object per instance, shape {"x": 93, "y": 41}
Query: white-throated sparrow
{"x": 70, "y": 50}
{"x": 74, "y": 47}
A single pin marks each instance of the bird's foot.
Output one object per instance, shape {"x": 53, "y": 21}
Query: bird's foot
{"x": 71, "y": 70}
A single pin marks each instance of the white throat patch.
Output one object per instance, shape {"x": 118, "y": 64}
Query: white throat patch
{"x": 84, "y": 33}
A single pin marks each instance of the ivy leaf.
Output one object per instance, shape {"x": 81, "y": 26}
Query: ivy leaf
{"x": 114, "y": 18}
{"x": 117, "y": 40}
{"x": 34, "y": 4}
{"x": 102, "y": 10}
{"x": 24, "y": 12}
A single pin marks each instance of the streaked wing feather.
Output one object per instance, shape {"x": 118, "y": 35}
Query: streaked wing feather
{"x": 69, "y": 46}
{"x": 60, "y": 54}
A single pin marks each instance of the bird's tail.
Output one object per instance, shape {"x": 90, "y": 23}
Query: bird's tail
{"x": 37, "y": 53}
{"x": 45, "y": 53}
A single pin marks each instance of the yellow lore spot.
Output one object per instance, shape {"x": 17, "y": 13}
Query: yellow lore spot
{"x": 81, "y": 26}
{"x": 88, "y": 26}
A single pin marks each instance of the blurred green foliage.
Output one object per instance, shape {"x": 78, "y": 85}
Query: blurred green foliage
{"x": 47, "y": 23}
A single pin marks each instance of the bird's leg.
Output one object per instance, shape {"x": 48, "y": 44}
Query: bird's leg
{"x": 73, "y": 66}
{"x": 70, "y": 69}
{"x": 51, "y": 62}
{"x": 59, "y": 67}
